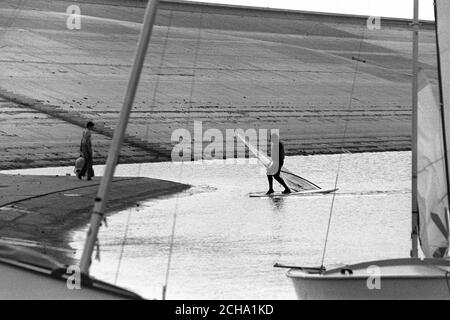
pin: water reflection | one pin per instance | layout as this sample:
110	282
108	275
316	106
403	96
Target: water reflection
277	203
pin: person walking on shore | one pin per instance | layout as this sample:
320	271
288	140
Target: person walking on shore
86	151
274	170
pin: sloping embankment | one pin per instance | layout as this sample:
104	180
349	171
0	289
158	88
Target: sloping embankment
229	67
44	208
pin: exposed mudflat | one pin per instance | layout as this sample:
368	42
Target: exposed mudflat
43	209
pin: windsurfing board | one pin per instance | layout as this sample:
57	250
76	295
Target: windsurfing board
298	193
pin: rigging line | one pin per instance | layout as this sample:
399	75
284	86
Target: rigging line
158	75
122	247
196	53
340	156
161	63
152	105
172	238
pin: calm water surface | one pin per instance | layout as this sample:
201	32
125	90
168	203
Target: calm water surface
225	243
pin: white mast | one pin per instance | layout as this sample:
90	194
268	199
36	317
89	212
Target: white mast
415	87
113	156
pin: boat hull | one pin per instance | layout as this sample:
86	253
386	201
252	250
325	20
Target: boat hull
26	282
408	279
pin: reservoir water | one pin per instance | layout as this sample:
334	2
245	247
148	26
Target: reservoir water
225	243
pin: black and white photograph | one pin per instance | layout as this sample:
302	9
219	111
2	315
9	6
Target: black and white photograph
189	151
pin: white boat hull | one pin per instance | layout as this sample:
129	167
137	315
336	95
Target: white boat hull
408	279
28	275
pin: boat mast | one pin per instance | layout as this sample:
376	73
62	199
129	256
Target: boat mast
415	87
113	155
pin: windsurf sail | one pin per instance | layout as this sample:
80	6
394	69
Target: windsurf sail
295	182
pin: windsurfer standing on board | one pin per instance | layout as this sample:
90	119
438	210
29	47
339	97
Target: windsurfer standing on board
274	170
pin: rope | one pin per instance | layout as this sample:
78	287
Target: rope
196	53
153	100
191	93
340	155
172	238
122	248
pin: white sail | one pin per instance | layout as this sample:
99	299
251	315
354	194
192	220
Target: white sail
432	185
443	38
295	182
443	34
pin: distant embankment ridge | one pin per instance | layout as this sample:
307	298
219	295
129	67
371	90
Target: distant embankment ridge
205	7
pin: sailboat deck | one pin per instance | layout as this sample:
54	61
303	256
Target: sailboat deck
396	268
